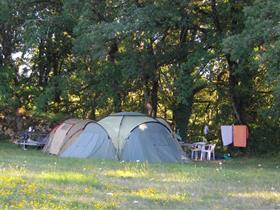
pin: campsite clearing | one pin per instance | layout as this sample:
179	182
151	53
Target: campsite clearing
32	179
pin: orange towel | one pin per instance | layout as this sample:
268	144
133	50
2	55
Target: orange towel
240	135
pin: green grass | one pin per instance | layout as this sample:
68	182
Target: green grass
33	180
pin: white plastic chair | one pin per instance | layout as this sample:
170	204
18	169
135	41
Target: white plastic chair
209	151
196	148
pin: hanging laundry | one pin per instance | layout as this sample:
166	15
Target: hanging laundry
206	130
240	135
227	134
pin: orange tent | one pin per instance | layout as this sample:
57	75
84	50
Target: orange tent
240	135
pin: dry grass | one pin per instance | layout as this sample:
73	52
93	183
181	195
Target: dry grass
33	180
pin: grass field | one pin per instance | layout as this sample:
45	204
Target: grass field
33	180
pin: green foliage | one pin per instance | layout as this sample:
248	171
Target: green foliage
259	43
193	62
7	87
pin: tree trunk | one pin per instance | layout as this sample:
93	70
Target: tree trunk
92	114
154	98
57	91
235	99
154	80
233	81
182	111
146	104
181	114
117	97
7	45
117	102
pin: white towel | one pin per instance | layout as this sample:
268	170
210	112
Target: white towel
227	134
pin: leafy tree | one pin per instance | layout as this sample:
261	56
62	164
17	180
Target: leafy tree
48	38
259	42
191	61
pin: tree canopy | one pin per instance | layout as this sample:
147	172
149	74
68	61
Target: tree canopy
193	62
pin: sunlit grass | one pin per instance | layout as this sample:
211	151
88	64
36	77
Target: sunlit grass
140	170
66	177
264	195
126	173
154	194
33	180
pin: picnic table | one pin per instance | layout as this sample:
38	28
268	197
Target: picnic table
185	146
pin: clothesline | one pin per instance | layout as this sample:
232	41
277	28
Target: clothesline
236	134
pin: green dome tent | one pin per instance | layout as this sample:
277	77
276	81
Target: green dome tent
58	134
93	142
139	137
128	136
82	139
